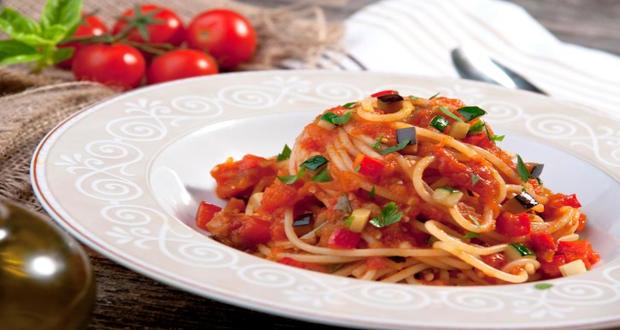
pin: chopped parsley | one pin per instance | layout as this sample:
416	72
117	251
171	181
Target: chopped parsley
470	235
440	123
314	162
348	220
322	176
335	119
471	112
477	127
543	286
497	138
349	105
475	178
285	154
377	144
449	113
290	179
390	214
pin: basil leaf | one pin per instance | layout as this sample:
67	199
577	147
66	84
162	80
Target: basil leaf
470	235
497	138
474	179
13	51
322	176
471	112
62	54
55	33
314	162
477	127
543	286
67	13
335	119
440	123
14	23
448	113
390	214
524	174
285	154
349	105
290	179
401	145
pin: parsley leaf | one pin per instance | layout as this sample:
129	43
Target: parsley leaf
377	144
390	214
357	169
322	176
335	119
401	145
285	154
524	174
475	178
543	286
449	113
348	220
314	162
472	112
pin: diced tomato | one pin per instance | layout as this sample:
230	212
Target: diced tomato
370	166
557	201
583	219
253	231
544	245
277	231
495	260
376	262
513	225
479	139
567	252
205	213
292	262
385	92
278	195
236	179
342	238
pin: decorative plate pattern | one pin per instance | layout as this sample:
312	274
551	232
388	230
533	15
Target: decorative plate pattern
91	173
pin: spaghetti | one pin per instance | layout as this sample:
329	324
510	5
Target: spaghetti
402	190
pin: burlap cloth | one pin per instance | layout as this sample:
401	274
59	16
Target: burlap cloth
31	105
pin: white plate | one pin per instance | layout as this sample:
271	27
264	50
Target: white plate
125	177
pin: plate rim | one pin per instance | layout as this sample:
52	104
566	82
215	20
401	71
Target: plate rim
249	302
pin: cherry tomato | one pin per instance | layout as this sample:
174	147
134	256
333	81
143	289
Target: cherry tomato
179	64
92	26
116	65
225	34
169	28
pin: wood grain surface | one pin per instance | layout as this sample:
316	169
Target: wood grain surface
127	300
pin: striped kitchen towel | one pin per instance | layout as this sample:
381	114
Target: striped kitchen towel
416	36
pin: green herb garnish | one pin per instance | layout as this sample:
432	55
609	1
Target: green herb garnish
449	113
475	178
543	286
524	174
401	145
440	123
357	169
497	138
522	249
314	162
434	96
477	127
349	105
471	112
470	235
285	154
322	176
390	214
372	193
290	179
348	220
377	144
335	119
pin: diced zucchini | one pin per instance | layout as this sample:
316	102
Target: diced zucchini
459	130
573	268
447	196
359	218
516	251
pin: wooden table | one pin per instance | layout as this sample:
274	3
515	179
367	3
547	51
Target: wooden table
129	300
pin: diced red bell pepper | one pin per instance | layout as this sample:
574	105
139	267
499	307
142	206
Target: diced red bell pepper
385	92
557	201
253	231
544	245
583	219
342	238
370	166
568	251
292	262
205	213
513	225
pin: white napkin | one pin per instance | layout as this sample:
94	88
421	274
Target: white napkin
416	36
